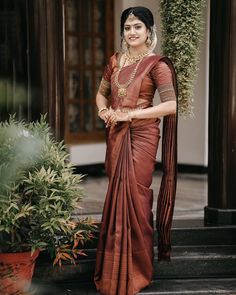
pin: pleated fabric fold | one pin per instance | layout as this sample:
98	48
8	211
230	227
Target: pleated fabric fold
167	193
166	198
124	262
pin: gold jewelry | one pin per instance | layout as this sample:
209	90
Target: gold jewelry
133	59
127	109
112	119
131	16
148	41
122	88
102	110
124	45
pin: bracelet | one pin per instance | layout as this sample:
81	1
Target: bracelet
102	109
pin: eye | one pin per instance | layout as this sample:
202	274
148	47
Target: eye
138	27
127	29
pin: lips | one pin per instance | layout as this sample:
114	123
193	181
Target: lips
133	38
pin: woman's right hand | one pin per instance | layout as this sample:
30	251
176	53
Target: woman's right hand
110	117
104	115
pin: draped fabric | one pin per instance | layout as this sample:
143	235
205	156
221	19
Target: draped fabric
125	249
124	261
166	198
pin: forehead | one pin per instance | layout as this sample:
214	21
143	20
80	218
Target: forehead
133	21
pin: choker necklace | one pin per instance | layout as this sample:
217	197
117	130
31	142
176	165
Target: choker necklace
122	88
134	59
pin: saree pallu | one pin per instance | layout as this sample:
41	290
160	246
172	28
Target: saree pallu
124	262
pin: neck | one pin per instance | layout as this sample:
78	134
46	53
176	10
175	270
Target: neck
134	51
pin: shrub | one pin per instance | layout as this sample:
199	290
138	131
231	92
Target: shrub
38	193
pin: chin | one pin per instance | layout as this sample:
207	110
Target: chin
135	45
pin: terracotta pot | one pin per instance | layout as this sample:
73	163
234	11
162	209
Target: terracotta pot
16	271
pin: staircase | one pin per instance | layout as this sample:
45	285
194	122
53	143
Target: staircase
203	262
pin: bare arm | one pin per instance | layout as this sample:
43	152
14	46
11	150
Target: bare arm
162	109
101	101
102	104
104	91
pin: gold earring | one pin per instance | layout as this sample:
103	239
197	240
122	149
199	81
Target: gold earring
124	45
148	41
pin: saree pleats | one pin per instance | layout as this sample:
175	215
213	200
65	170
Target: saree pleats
167	193
166	198
124	263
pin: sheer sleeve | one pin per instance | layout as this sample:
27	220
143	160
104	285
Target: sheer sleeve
105	84
162	77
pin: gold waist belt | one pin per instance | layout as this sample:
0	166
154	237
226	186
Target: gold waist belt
138	107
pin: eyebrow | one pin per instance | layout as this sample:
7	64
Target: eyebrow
133	24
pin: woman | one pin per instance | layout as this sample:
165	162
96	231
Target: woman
124	262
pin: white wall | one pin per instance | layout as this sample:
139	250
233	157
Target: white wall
86	154
192	133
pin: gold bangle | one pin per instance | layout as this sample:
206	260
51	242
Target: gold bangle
102	110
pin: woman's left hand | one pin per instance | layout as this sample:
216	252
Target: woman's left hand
121	116
117	116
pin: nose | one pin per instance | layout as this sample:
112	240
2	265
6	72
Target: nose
132	30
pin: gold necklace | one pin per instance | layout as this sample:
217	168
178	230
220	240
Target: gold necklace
133	59
122	88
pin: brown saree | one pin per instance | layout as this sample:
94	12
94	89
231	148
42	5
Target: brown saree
124	262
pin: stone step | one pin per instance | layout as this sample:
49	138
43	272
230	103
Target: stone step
158	287
187	262
195	262
190	287
219	235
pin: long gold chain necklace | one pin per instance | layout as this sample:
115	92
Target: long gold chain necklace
122	88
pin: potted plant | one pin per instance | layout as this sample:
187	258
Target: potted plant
38	193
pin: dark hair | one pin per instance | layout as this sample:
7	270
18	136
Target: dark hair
142	13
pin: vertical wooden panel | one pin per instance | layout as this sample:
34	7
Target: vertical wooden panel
15	96
46	50
232	109
222	111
